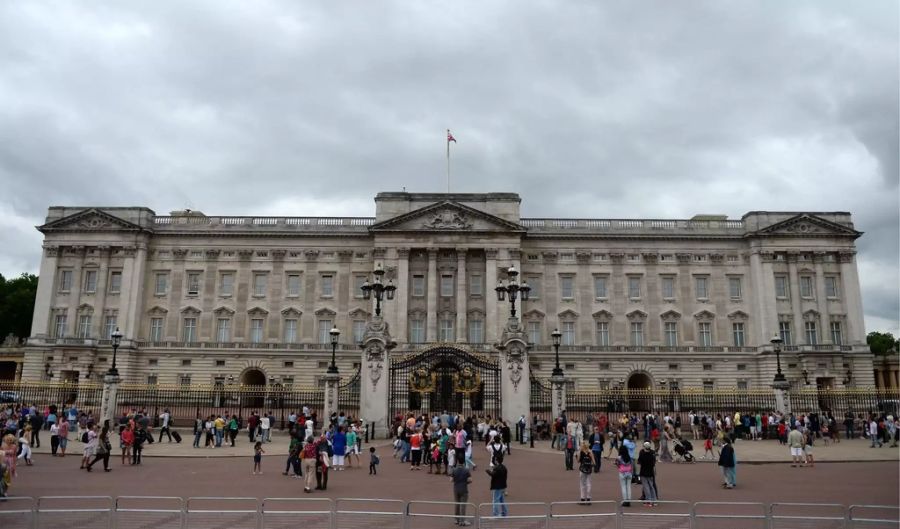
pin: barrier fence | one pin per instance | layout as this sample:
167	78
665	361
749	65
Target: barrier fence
132	512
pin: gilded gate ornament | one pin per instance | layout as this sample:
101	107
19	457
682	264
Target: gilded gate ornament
467	381
421	381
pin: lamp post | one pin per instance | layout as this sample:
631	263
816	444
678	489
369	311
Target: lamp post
512	290
380	290
780	379
335	333
557	371
116	341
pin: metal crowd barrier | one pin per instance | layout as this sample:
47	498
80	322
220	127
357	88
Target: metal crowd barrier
163	512
873	517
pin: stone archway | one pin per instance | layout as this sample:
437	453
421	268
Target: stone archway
253	377
253	388
640	385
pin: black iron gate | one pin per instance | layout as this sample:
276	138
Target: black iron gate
348	396
445	378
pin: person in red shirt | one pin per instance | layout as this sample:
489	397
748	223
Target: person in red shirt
415	450
126	441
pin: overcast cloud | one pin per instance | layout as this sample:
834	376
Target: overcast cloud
587	109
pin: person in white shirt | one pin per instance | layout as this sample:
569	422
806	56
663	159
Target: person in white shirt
265	425
164	418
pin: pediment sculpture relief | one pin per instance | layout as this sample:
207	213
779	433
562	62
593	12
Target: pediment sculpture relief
448	220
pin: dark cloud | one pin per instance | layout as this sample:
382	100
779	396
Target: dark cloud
586	109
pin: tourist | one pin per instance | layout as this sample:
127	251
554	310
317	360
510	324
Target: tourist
198	431
585	469
625	467
8	454
219	425
415	448
353	447
596	443
126	441
795	442
498	475
873	432
91	436
233	427
728	462
102	449
265	425
461	478
252	423
257	457
54	439
647	461
309	454
140	437
373	461
613	443
164	419
708	447
209	428
665	455
808	438
36	421
339	447
322	463
468	460
293	459
63	434
495	449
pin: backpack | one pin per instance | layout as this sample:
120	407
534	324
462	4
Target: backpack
84	437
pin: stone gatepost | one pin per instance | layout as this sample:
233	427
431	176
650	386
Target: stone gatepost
332	382
373	383
558	397
109	398
515	381
782	398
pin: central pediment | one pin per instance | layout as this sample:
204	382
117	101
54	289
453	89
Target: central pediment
447	216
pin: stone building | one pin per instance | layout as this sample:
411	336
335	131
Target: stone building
639	303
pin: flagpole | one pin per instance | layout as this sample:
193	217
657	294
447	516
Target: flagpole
448	160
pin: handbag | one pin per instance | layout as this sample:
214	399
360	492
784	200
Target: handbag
635	479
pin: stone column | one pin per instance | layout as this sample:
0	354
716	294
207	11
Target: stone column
332	381
514	372
797	328
402	296
374	382
852	301
130	301
824	323
43	301
558	397
461	297
490	297
108	399
431	318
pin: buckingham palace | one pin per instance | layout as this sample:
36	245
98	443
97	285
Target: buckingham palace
639	303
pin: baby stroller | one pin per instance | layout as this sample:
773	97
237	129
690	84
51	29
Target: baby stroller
683	449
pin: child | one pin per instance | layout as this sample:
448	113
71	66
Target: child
708	448
26	448
451	455
257	457
435	458
373	461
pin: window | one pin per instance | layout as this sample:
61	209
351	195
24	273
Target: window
742	367
226	284
707	367
600	287
293	285
193	283
184	380
704	333
59	330
709	385
535	283
837	337
260	284
290	331
90	281
476	285
359	329
534	332
287	364
737	333
325	331
567	287
65	280
115	282
701	287
812	334
327	286
671	333
256	330
603	333
418	286
153	362
109	326
734	288
476	331
634	287
806	286
416	331
673	367
358	282
190	329
637	333
220	363
742	385
668	287
156	329
161	284
223	330
568	333
784	330
781	287
84	326
152	379
445	330
446	286
832	290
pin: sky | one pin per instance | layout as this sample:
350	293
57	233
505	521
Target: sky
614	109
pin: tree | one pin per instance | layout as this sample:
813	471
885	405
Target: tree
882	342
17	305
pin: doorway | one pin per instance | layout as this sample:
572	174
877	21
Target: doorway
639	395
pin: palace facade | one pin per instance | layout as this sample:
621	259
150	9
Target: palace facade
640	303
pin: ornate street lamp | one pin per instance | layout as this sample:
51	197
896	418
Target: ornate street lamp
380	290
512	290
335	333
557	371
116	340
776	345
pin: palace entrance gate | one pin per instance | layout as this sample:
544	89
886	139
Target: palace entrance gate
445	378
